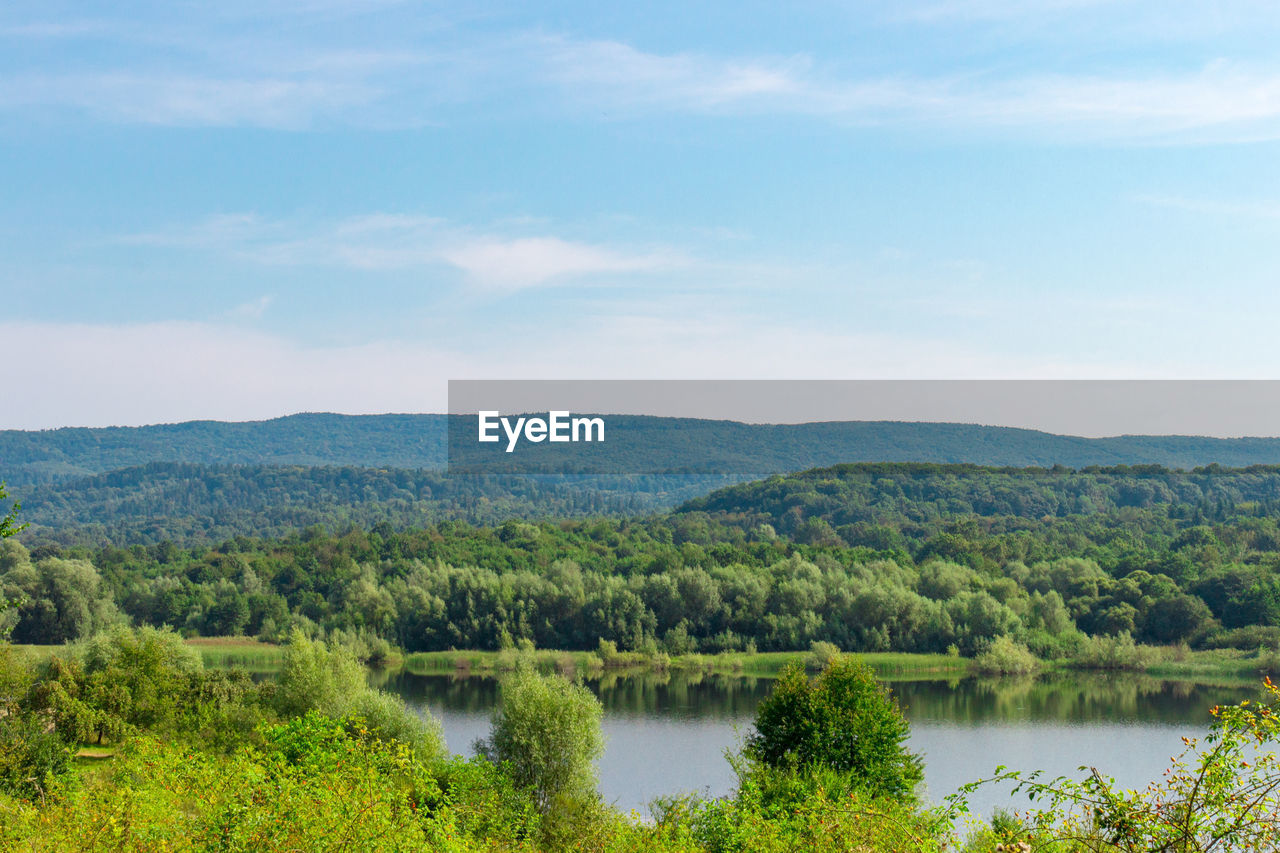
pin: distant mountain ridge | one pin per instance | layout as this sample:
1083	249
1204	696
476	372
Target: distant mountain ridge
420	441
395	441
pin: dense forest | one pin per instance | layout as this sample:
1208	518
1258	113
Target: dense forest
996	563
189	503
873	557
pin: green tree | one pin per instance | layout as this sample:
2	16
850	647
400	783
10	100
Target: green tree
546	731
61	600
8	526
844	721
9	523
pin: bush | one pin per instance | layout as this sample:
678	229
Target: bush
1249	637
817	815
123	681
821	654
546	732
334	683
843	720
1065	646
32	758
1117	652
317	678
1006	656
388	718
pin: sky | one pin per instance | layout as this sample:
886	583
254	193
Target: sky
240	210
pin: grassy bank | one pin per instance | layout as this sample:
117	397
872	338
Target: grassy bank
244	652
1171	663
217	652
886	664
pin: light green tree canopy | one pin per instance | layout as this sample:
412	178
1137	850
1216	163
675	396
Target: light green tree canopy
546	731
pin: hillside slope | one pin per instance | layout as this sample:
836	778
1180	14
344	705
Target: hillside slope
652	445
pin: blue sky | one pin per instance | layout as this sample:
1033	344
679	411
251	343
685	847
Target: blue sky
244	209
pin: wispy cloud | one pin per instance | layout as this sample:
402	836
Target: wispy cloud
986	10
253	309
1223	98
531	261
496	262
178	100
191	78
1264	209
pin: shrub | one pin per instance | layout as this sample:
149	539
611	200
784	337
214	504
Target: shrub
1248	637
821	654
32	758
1117	652
546	732
1006	656
315	677
388	718
843	720
333	682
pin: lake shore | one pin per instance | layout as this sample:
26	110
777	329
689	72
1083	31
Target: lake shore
1170	663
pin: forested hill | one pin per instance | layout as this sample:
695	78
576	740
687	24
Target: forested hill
398	441
185	502
851	500
420	441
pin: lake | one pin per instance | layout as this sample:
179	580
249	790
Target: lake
668	733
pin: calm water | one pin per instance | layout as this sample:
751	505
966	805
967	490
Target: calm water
669	734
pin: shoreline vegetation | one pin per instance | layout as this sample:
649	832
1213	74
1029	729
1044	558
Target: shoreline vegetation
1167	663
229	696
130	742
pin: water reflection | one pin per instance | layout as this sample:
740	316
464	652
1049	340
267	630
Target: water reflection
668	732
1109	698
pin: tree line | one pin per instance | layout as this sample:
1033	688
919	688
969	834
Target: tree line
870	558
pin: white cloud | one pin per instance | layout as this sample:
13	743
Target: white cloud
948	10
193	78
673	80
1228	99
1246	209
391	242
533	261
253	309
191	100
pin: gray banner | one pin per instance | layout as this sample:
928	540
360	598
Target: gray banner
746	427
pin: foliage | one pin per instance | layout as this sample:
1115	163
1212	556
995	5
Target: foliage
546	732
914	558
1006	656
843	720
142	680
201	503
33	759
60	600
9	524
821	655
1114	653
333	682
313	786
810	817
1222	794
